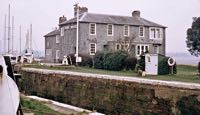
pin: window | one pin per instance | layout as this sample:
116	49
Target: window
62	31
92	29
141	31
57	39
142	49
57	54
155	33
48	44
126	30
110	30
92	48
48	54
118	46
122	46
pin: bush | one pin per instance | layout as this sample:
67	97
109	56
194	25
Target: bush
114	61
141	63
73	59
130	63
164	68
110	61
86	60
98	60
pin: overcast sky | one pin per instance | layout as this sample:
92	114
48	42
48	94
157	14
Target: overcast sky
43	14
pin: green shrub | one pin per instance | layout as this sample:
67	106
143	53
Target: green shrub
130	63
114	61
164	68
73	59
110	61
86	60
141	63
98	60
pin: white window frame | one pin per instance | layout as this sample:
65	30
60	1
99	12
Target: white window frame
157	34
128	29
109	28
143	28
62	29
140	49
94	29
57	39
57	54
90	48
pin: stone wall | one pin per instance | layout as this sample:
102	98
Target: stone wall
110	96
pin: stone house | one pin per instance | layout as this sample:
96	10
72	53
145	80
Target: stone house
99	32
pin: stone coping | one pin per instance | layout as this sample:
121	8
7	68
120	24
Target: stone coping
176	84
77	109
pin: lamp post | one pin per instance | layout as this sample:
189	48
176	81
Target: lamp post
77	32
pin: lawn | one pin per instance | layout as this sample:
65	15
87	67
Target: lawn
36	107
185	73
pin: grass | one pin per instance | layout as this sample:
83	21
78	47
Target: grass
185	73
36	107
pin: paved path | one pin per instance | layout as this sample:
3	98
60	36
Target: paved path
176	84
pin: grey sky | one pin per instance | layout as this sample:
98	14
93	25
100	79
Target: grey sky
43	14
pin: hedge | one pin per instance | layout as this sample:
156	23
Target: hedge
130	63
164	68
99	60
110	60
86	60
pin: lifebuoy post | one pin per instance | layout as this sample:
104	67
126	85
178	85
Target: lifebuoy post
171	63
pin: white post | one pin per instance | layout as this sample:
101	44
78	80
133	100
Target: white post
77	33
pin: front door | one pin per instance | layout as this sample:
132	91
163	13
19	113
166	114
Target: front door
151	64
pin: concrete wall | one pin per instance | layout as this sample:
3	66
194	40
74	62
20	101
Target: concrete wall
112	95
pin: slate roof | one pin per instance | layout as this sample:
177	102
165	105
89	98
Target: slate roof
113	19
53	33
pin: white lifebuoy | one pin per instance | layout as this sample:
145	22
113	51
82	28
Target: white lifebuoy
171	61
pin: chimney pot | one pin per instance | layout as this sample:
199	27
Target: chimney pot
136	13
62	19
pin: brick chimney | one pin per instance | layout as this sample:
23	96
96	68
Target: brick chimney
62	19
136	13
81	10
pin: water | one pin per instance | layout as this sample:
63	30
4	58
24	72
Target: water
185	58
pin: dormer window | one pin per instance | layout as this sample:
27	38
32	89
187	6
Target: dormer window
141	31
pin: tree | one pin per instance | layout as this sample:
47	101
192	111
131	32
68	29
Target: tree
126	43
193	37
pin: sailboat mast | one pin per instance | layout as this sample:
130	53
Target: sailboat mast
31	38
5	35
9	29
12	33
20	40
